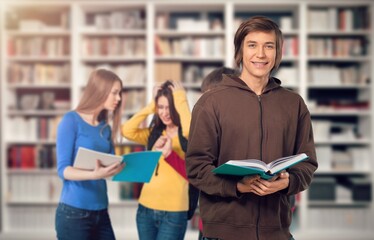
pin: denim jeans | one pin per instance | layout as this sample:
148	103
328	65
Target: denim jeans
79	224
160	225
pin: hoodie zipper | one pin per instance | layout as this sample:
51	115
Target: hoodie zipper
261	137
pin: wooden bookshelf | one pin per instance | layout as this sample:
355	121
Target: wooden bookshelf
139	40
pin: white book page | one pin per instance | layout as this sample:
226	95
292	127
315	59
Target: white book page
283	163
254	163
86	158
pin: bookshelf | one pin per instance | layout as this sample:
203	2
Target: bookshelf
339	51
49	47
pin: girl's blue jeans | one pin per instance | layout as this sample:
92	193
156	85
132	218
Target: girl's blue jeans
79	224
160	225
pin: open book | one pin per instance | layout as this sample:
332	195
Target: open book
254	166
139	165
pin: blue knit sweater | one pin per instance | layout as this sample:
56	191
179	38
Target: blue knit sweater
73	132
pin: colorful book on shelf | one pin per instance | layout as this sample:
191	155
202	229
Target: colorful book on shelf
139	165
254	166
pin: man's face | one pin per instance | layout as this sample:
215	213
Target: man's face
259	52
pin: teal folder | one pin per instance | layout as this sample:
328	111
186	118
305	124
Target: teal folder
139	166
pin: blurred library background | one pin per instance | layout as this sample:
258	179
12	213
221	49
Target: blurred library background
49	47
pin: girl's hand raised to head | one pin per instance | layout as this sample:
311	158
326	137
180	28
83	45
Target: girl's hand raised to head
155	90
177	86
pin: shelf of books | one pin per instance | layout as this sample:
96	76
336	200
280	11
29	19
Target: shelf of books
36	80
339	94
189	43
50	47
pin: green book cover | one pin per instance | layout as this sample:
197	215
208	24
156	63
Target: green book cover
254	166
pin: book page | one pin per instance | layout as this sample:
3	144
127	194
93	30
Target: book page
86	159
286	162
253	163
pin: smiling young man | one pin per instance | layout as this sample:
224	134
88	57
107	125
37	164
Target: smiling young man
250	116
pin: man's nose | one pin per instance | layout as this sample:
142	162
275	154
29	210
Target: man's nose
260	52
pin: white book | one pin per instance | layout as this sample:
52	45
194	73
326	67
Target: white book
86	159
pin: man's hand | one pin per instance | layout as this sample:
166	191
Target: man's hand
245	185
262	187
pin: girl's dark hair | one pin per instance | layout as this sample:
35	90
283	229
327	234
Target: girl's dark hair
167	92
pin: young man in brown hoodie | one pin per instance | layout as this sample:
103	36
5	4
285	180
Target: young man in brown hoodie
250	116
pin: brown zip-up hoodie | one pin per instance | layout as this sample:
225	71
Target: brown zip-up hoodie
232	122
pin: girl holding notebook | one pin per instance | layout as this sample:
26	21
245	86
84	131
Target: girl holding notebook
83	209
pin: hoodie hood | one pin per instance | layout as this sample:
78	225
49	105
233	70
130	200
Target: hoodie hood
236	81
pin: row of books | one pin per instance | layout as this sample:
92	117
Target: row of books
194	73
32	157
186	73
194	22
285	21
23	21
38	101
344	19
325	129
130	74
326	105
349	159
38	73
113	46
196	47
290	47
31	128
41	99
338	75
116	19
336	47
345	189
39	46
133	100
34	187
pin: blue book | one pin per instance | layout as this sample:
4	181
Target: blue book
139	165
254	166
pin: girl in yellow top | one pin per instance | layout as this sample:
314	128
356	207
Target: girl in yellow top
163	202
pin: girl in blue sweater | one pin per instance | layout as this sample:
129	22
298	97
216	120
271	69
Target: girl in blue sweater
83	209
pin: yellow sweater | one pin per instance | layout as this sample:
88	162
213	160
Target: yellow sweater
168	191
